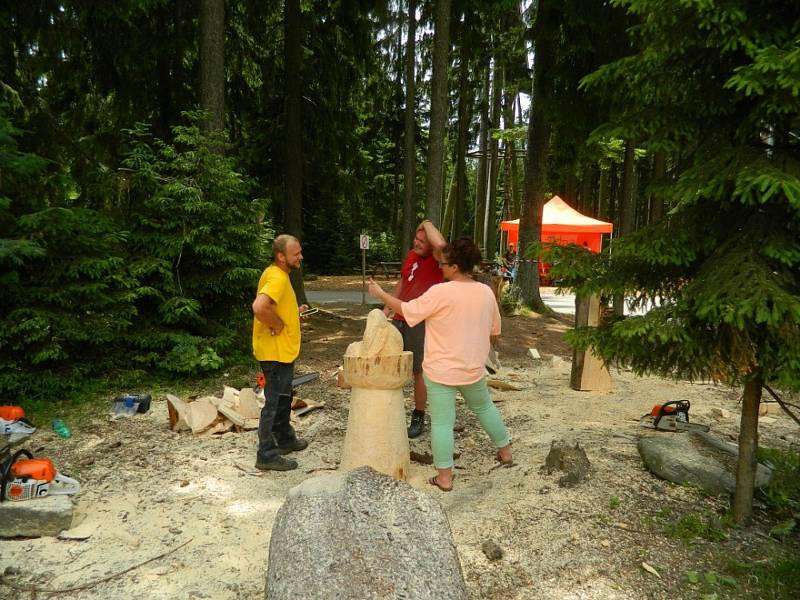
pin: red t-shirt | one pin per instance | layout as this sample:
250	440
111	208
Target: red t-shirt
418	274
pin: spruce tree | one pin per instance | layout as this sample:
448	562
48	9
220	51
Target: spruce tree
720	84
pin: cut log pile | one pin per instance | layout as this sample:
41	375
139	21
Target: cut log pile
236	410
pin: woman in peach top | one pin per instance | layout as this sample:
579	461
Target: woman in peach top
460	315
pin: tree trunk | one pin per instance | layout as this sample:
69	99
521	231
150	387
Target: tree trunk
483	146
657	199
546	31
212	62
293	166
410	161
570	190
586	202
163	64
464	118
510	192
490	223
602	195
627	209
748	449
441	51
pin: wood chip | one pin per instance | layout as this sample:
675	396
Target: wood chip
650	570
502	385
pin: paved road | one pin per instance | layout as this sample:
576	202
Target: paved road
561	304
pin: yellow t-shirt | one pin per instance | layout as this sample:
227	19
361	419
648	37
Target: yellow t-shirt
284	347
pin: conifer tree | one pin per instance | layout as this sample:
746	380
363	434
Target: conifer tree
722	84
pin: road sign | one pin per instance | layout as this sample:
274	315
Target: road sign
363	241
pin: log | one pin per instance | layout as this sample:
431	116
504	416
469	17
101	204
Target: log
178	411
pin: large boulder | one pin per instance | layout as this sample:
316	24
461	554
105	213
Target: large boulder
696	459
360	535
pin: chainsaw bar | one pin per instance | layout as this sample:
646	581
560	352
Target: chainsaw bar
670	423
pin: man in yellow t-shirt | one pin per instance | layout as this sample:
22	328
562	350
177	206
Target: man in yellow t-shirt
276	345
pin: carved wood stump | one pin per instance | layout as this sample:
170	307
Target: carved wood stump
376	426
588	372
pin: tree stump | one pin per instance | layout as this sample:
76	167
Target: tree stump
588	372
376	369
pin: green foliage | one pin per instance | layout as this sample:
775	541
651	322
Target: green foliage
783	492
777	578
160	284
713	81
188	357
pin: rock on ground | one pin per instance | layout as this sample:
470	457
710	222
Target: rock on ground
360	535
673	456
38	517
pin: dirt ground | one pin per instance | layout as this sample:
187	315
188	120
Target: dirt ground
197	504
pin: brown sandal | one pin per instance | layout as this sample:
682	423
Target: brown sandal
435	481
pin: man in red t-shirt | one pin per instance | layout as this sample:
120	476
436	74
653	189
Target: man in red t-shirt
420	271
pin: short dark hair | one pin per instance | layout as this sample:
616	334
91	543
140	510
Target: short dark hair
463	253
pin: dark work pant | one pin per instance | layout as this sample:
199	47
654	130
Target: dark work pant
273	426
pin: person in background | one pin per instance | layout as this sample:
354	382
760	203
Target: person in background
509	263
419	272
276	345
460	316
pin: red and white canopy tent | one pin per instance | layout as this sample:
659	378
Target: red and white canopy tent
562	224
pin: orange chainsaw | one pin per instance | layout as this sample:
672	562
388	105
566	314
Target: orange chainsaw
671	416
14	423
23	477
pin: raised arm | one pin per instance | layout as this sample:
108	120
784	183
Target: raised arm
435	238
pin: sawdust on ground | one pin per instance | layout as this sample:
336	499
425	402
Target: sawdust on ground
147	490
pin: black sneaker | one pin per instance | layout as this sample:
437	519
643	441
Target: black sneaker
279	463
417	424
293	446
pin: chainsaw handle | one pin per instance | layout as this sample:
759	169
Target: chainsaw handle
5	469
678	405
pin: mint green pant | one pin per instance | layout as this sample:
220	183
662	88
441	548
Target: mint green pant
442	408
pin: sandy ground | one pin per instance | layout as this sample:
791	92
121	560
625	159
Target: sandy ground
149	492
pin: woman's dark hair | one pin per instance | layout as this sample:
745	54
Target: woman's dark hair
463	253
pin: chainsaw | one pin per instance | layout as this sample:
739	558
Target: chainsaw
13	422
23	477
671	416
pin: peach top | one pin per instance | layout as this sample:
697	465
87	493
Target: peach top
459	318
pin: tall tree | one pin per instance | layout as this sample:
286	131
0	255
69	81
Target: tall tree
464	120
439	87
725	261
212	62
483	149
546	31
627	209
293	183
410	126
490	221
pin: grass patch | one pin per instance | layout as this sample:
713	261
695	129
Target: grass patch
696	525
777	580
